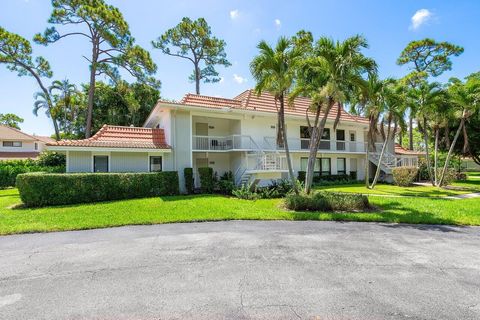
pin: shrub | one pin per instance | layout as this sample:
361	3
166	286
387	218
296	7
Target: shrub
327	201
51	159
189	182
207	180
353	175
245	192
40	189
11	168
404	176
302	175
462	176
226	184
450	176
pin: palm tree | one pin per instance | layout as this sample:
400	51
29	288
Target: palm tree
370	102
44	101
426	95
273	69
392	111
329	76
64	101
465	97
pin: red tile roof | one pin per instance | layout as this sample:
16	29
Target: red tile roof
401	150
249	100
18	155
120	137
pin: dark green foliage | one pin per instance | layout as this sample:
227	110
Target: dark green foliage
10	120
225	184
353	175
207	180
404	176
189	183
277	189
38	189
301	176
51	159
193	40
245	192
11	168
327	201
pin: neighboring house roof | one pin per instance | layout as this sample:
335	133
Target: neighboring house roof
44	139
9	133
249	100
18	155
120	137
401	150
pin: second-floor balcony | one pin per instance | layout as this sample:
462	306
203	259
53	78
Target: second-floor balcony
296	144
249	143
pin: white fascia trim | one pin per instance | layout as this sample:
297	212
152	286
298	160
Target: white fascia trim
100	149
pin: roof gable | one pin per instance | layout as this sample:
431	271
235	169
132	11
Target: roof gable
120	137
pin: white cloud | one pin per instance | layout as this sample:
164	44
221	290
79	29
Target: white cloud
234	14
222	80
420	17
239	79
278	23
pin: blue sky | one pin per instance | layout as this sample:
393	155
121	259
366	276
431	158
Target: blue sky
388	26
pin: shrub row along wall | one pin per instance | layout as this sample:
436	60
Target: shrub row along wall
39	189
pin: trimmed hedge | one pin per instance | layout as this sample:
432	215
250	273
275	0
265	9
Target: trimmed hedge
40	189
327	201
207	180
11	168
404	176
189	183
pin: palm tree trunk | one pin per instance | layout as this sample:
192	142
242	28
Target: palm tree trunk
315	140
367	166
435	156
450	151
384	147
427	153
293	180
91	89
410	132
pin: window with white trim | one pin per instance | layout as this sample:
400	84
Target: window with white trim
17	144
100	163
155	163
341	166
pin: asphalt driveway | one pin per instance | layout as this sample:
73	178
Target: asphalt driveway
243	270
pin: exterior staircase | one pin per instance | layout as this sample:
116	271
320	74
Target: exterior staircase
389	161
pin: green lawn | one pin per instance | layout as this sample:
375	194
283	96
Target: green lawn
214	207
386	189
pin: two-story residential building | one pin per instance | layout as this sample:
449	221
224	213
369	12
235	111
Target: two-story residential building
15	144
236	135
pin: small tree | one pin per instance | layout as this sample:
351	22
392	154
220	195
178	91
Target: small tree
112	45
10	120
466	98
274	71
16	54
430	58
193	41
329	76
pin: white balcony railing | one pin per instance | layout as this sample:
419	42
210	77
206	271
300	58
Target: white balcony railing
296	144
266	162
219	143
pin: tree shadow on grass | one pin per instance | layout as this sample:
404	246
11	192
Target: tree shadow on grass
393	212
